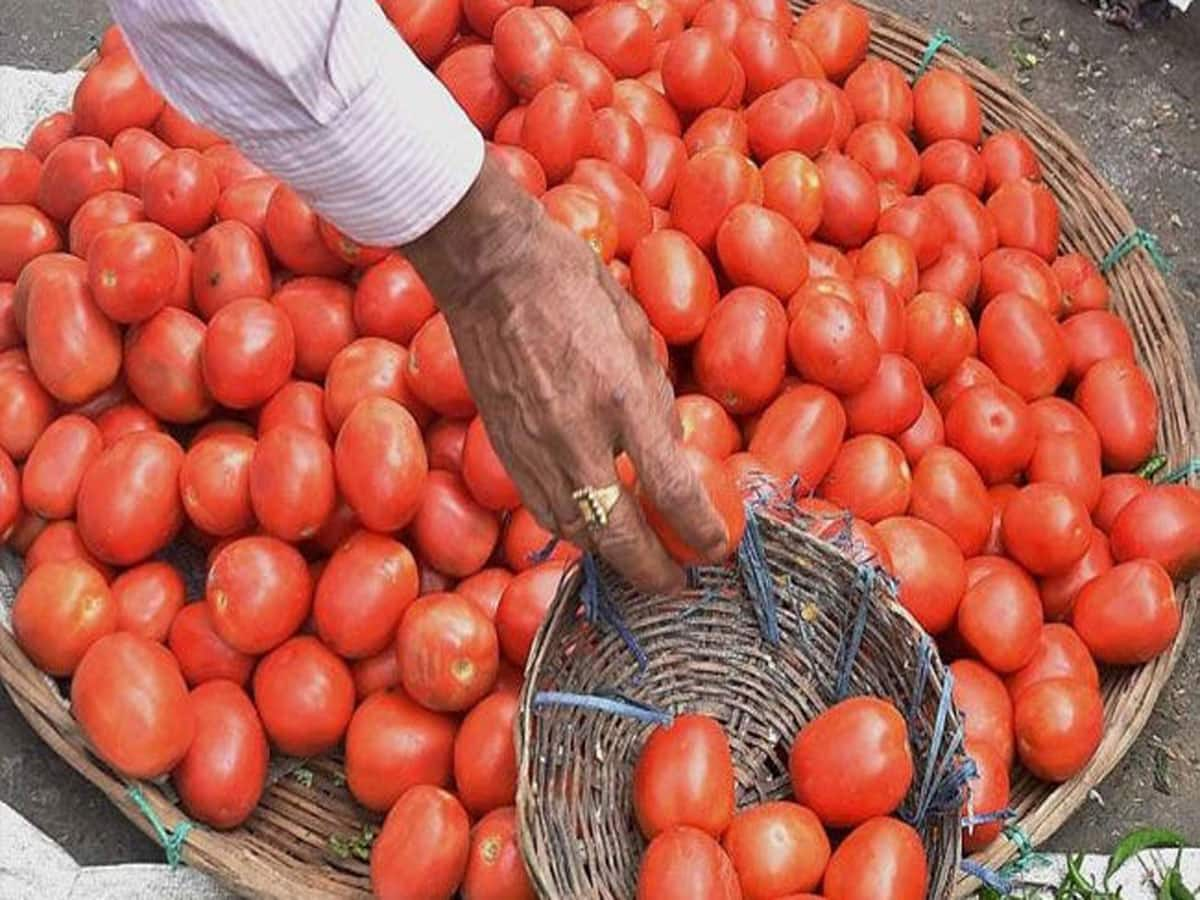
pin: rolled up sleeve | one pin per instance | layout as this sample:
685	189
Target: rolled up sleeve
325	95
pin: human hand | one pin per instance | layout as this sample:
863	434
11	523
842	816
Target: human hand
562	368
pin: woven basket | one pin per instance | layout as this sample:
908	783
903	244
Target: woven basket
285	848
839	633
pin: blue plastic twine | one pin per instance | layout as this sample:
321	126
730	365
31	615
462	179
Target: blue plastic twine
171	839
599	608
851	640
752	565
613	704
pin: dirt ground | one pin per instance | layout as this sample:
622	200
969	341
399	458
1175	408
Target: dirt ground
1133	100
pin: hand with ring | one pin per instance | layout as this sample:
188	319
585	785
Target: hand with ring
561	364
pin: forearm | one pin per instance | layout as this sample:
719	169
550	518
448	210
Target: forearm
323	94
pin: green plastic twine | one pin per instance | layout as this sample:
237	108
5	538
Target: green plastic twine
940	39
1139	238
1183	473
171	838
1151	467
1027	857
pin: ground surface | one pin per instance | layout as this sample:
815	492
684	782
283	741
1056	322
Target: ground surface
1133	101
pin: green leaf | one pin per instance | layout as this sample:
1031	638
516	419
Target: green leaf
1135	843
1179	890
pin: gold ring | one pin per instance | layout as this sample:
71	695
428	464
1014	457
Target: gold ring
597	503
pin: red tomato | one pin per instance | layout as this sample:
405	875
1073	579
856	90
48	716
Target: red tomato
684	776
49	483
850	201
711	184
10	338
939	336
20	171
484	473
180	192
76	169
881	858
1046	529
1129	614
1161	524
581	210
722	17
60	611
992	427
58	542
587	74
1054	415
852	762
800	433
369	582
884	312
375	674
445	441
725	497
665	158
1092	336
1008	156
890	402
26	410
394	744
1023	345
125	685
485	588
741	357
649	107
929	567
391	301
214	484
229	264
1059	591
1082	284
495	870
525	542
966	218
381	463
321	314
920	222
767	56
434	373
985	707
485	756
1058	724
792	186
100	213
292	486
796	116
717	127
1070	460
524	605
948	492
1027	216
369	367
829	342
1012	270
878	91
528	52
557	129
305	695
259	593
294	236
298	403
952	162
427	26
956	273
423	848
1060	654
987	792
945	106
449	652
628	204
49	132
74	350
249	349
1116	491
1118	398
470	75
870	478
163	366
674	283
248	202
147	598
886	153
518	162
891	259
697	70
617	138
202	655
232	167
179	131
684	863
838	32
1000	619
450	530
112	96
761	248
10	497
777	848
620	35
927	433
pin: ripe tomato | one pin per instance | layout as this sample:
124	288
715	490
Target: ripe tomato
76	169
321	314
449	652
1070	460
147	599
717	127
850	200
1058	724
132	270
484	473
711	184
649	107
49	483
445	441
620	35
724	496
945	106
391	300
59	542
955	162
838	32
777	848
99	213
929	567
1117	397
427	26
485	589
1061	653
485	756
889	402
920	222
1082	284
891	259
259	593
516	161
423	848
683	863
26	410
450	530
60	611
881	858
20	171
988	792
829	342
231	166
706	427
292	489
528	52
767	56
10	496
495	870
298	403
202	655
305	696
1129	614
557	129
214	484
1116	491
1092	336
526	542
112	96
665	158
393	744
179	131
164	367
1059	591
885	151
884	312
630	209
800	433
741	357
1009	270
247	202
939	336
674	283
369	367
966	218
1054	415
1161	524
128	505
581	210
684	777
524	605
878	91
985	708
49	132
991	426
792	186
927	433
249	349
1027	217
1008	156
229	264
761	248
1000	619
948	492
697	70
434	373
1023	345
137	150
180	192
956	273
293	233
375	674
870	478
368	583
1046	529
618	138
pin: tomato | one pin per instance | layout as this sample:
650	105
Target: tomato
761	248
581	210
484	473
1061	653
369	367
628	204
423	849
449	652
292	489
796	116
557	129
1059	591
988	792
49	132
665	158
231	166
883	310
741	357
434	373
1046	529
838	32
1009	156
305	695
112	96
878	91
882	858
886	153
76	169
1082	284
1116	491
927	433
485	589
368	583
890	259
890	402
706	426
956	273
648	107
1000	620
1054	415
321	314
60	611
1117	397
109	210
20	171
945	106
717	127
10	338
495	870
450	530
248	353
375	674
391	300
528	52
870	478
985	707
180	192
952	162
126	685
427	26
674	283
445	441
299	403
470	75
59	542
26	410
767	56
966	218
1161	525
683	863
381	463
620	35
829	342
393	744
684	776
991	425
948	492
1012	270
850	201
939	336
10	497
526	542
777	848
711	184
920	222
1058	724
1027	217
248	202
800	433
1129	614
516	161
49	483
929	567
147	598
485	757
1070	460
214	484
163	366
723	18
697	70
201	653
792	186
1023	345
229	264
724	496
1092	336
259	593
179	131
618	138
294	236
524	605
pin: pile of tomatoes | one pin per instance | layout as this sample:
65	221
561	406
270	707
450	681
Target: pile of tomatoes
854	291
851	768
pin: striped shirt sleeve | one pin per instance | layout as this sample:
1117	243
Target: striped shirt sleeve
324	94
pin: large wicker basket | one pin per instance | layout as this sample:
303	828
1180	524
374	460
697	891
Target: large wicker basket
294	845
